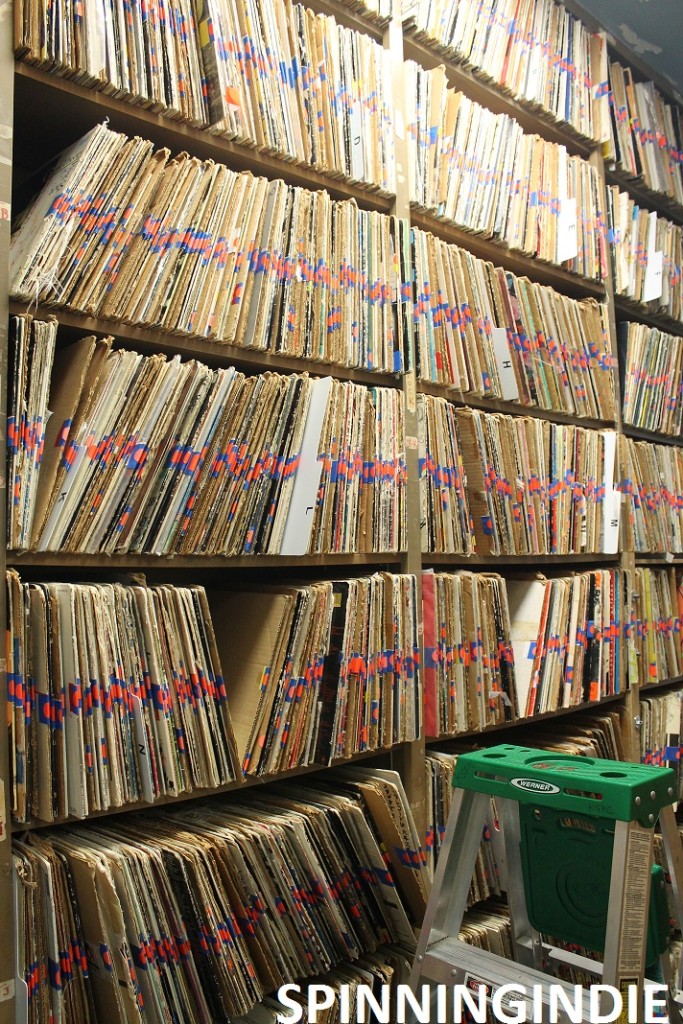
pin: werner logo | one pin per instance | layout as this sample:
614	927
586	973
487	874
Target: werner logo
535	785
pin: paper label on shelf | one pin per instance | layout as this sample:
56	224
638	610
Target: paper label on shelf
5	213
6	990
506	372
567	231
652	285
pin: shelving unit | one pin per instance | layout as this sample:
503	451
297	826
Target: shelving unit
61	112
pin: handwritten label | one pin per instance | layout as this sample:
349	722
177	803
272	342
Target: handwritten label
506	372
652	285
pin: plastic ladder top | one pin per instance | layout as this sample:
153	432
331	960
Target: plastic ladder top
591	786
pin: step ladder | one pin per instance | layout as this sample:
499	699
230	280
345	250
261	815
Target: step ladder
577	838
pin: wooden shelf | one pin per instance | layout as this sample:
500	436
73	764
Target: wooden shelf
652	435
501	255
539	562
628	309
520	723
149	341
350	17
476	84
62	111
661	559
661	684
173	563
238	786
644	196
462	400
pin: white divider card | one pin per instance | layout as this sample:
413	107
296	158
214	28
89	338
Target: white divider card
525	601
506	372
567	231
356	133
567	227
297	531
612	499
654	267
533	73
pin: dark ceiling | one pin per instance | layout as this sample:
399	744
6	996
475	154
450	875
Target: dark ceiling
653	29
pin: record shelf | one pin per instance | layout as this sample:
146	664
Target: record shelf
43	113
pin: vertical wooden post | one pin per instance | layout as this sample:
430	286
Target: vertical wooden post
408	760
7	957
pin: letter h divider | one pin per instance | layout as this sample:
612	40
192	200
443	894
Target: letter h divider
578	837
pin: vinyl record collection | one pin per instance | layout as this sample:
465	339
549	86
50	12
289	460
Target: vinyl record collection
469	674
280	79
196	914
330	670
352	983
654	626
536	487
591	734
520	189
300	491
145	453
652	484
652	387
661	731
647	133
538	51
440	766
647	255
188	246
445	522
33	343
483	331
116	696
566	638
497	650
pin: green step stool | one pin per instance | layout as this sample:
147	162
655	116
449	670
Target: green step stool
578	842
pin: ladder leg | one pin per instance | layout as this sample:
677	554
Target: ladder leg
526	942
674	859
629	902
672	1006
453	876
673	851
